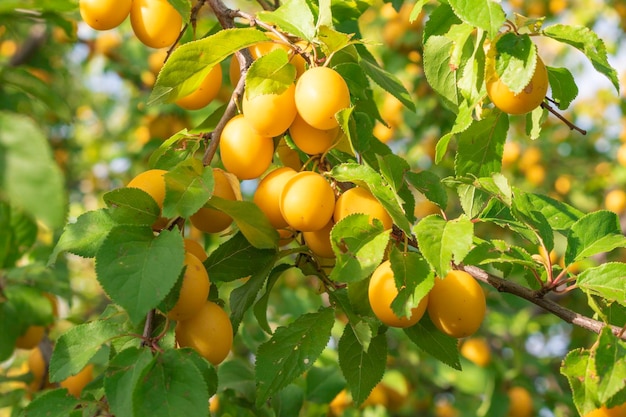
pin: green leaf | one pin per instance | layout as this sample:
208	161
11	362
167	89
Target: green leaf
559	215
362	369
28	173
270	74
463	121
498	251
291	351
189	185
190	63
429	184
563	86
441	77
128	205
293	16
84	237
430	340
359	247
367	177
173	386
594	233
414	279
288	401
524	210
183	7
323	384
261	306
387	82
237	375
485	14
607	281
33	87
516	60
236	258
75	348
579	368
588	42
250	219
244	296
55	403
20	233
442	242
137	269
610	364
480	147
125	371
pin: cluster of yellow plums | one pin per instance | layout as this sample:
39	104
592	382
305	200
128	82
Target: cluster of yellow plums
456	304
155	22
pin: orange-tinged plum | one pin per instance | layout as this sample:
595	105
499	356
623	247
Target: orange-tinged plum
152	182
104	14
456	304
476	350
310	140
527	100
617	411
196	249
31	337
245	152
319	241
155	22
320	93
206	91
209	332
520	402
267	195
210	220
193	291
360	200
270	114
381	293
307	201
38	368
76	383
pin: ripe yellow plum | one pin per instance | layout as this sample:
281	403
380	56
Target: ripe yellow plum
210	220
267	195
104	14
244	151
520	402
209	332
206	91
193	291
360	200
307	201
196	249
310	140
155	22
76	383
381	293
320	93
456	304
319	241
270	114
476	350
527	100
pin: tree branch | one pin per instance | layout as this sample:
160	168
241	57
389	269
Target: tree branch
537	298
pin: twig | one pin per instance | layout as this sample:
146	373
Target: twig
537	298
569	124
147	328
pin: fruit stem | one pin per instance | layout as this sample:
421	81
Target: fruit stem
569	124
147	328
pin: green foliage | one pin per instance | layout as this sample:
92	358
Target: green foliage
295	349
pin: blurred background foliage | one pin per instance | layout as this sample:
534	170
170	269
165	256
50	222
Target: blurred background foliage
87	91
